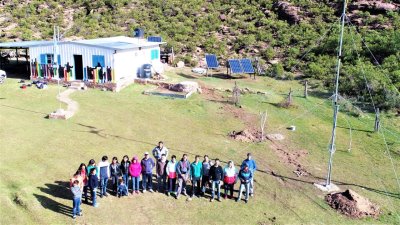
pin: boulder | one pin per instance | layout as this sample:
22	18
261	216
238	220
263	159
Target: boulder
374	6
185	86
288	12
180	64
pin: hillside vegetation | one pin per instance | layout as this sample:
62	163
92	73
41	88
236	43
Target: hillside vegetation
278	32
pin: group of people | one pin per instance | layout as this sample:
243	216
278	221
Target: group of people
172	176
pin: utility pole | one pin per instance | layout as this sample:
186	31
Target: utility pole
377	121
56	39
305	89
332	147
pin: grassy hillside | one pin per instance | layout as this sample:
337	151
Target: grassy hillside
275	31
39	155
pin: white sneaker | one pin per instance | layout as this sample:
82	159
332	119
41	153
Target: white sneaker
151	190
144	191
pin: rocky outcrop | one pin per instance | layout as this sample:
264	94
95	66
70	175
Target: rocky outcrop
374	7
288	12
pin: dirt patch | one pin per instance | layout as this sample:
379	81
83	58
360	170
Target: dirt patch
247	135
291	158
352	204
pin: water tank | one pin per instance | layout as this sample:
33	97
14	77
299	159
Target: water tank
138	33
146	71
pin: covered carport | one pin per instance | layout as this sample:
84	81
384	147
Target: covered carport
15	59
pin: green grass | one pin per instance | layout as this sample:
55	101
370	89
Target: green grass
39	155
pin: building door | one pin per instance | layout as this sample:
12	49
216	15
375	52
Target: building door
78	64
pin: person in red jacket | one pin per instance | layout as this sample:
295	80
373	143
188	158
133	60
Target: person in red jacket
135	168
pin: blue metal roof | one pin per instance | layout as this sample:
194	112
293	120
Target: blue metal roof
24	44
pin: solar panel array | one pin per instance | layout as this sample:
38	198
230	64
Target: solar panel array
241	66
212	61
154	39
247	66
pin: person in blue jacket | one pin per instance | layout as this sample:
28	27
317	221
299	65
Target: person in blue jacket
147	172
252	168
244	176
93	183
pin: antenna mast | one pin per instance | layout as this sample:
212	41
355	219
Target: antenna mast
332	147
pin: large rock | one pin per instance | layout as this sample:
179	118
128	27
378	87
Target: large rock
180	64
374	6
186	86
288	12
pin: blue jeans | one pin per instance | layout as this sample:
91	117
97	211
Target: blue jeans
93	193
135	183
125	177
213	185
76	206
147	178
247	187
103	185
172	184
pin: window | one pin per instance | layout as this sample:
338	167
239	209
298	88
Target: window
155	54
49	58
98	61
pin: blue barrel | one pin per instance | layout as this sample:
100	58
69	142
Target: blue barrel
138	33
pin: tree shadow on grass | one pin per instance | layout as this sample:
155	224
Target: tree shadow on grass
55	206
26	110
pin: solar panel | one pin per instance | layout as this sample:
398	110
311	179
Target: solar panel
154	39
235	66
247	66
212	61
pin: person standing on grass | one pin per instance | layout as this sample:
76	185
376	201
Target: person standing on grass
195	175
77	176
125	169
244	176
84	175
216	175
115	172
159	150
93	184
147	172
135	168
251	163
77	199
122	189
104	175
205	178
161	173
92	164
171	173
230	175
183	172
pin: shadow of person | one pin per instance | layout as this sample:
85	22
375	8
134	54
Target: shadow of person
55	206
60	189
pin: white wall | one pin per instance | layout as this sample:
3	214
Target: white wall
127	63
68	50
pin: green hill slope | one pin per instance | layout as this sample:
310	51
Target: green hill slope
275	31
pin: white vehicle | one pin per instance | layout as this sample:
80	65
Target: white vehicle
3	76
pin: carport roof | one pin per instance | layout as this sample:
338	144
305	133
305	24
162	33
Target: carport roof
24	44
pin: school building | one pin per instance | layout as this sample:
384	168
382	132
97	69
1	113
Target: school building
117	60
